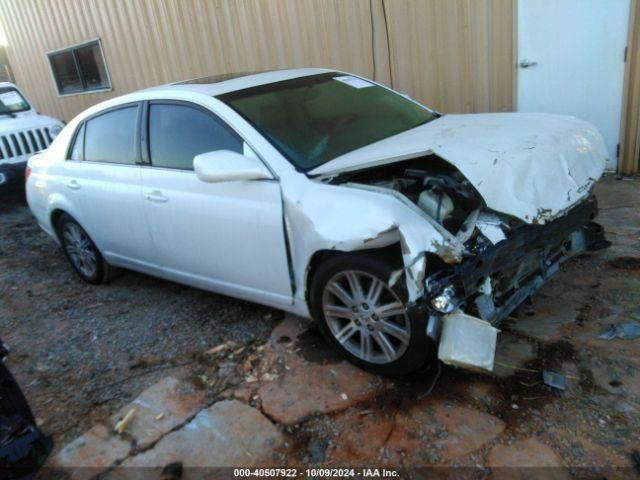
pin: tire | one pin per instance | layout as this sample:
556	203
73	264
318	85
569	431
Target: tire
411	348
81	253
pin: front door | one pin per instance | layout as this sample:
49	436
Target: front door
228	236
571	61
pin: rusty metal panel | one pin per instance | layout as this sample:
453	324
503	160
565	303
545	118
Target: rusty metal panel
456	55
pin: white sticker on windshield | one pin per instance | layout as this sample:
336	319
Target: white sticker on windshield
355	82
11	98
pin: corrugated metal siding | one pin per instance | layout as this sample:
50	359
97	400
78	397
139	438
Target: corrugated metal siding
629	161
456	55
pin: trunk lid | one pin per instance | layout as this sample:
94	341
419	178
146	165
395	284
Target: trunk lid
532	166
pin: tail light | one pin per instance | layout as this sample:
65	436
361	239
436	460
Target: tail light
27	172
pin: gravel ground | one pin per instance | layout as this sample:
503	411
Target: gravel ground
79	351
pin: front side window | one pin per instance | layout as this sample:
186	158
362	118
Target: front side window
12	101
80	69
177	133
317	118
111	137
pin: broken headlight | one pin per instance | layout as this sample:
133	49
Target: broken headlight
445	302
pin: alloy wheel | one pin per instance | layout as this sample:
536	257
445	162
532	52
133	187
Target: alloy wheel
366	317
80	250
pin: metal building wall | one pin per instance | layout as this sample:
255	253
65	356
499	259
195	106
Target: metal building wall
456	55
629	161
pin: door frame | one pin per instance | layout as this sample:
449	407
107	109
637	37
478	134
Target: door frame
628	161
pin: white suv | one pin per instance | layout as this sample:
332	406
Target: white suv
23	132
326	195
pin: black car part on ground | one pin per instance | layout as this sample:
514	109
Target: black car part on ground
519	265
23	447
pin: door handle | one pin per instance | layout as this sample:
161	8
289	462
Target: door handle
156	196
526	63
73	185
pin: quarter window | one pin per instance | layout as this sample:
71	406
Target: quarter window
177	133
110	137
77	150
80	69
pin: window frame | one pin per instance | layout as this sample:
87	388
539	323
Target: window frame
72	143
137	144
95	41
144	130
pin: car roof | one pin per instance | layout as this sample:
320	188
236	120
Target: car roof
230	82
208	86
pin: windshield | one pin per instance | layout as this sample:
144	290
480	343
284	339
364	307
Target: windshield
12	101
314	119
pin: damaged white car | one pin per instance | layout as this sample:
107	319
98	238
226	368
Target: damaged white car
403	232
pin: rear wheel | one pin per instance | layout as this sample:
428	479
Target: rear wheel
366	318
81	252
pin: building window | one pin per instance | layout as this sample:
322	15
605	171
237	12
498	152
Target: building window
80	68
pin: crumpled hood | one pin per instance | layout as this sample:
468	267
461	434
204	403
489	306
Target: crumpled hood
532	166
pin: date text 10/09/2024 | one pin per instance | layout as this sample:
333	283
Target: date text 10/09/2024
316	472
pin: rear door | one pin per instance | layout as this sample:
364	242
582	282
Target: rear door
228	236
103	180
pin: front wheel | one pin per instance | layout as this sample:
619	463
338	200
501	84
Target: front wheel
366	318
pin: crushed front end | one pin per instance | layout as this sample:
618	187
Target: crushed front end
498	277
500	259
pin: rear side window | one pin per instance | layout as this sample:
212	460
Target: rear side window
177	133
110	137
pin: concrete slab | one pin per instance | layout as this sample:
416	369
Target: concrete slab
311	389
160	409
468	429
360	437
229	433
515	461
436	432
308	379
91	453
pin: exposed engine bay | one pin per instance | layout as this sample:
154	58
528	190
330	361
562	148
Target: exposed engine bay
442	193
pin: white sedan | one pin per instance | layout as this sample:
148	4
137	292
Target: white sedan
327	195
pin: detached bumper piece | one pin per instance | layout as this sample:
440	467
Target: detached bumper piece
23	447
499	278
467	342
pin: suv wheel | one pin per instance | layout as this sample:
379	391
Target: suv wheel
365	318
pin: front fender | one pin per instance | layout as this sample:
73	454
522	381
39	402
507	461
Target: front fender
358	217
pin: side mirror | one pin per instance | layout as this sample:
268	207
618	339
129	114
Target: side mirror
227	166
